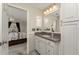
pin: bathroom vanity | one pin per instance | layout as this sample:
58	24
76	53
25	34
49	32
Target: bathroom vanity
47	43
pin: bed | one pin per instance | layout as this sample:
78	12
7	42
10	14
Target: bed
16	36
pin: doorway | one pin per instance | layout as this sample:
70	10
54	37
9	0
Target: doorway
17	30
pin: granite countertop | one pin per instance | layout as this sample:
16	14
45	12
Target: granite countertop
55	37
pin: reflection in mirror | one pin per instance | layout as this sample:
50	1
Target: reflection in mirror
51	20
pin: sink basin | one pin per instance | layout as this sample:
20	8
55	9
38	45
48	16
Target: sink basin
47	36
55	37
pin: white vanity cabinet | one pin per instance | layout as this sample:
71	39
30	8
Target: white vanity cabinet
49	50
36	43
54	47
31	42
45	47
40	45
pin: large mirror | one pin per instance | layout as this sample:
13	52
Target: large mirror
51	21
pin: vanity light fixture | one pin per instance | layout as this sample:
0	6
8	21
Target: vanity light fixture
51	9
55	7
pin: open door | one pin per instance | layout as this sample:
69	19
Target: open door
3	30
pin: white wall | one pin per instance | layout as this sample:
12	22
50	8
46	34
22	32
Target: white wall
0	25
0	22
23	25
3	29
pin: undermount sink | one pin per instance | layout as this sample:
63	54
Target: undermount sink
56	37
47	36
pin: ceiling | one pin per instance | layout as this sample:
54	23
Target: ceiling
43	6
35	5
20	14
16	13
39	5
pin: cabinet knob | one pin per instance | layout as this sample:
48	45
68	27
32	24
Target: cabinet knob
48	50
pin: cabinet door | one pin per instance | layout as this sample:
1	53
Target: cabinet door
42	46
49	50
55	47
70	38
31	42
68	11
37	43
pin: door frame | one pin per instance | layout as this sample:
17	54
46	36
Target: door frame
21	8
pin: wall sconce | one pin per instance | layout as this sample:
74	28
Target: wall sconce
12	19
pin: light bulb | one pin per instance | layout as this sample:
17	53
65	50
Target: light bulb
47	10
50	9
12	19
55	8
44	12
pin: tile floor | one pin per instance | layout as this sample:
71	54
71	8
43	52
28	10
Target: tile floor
34	53
19	49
